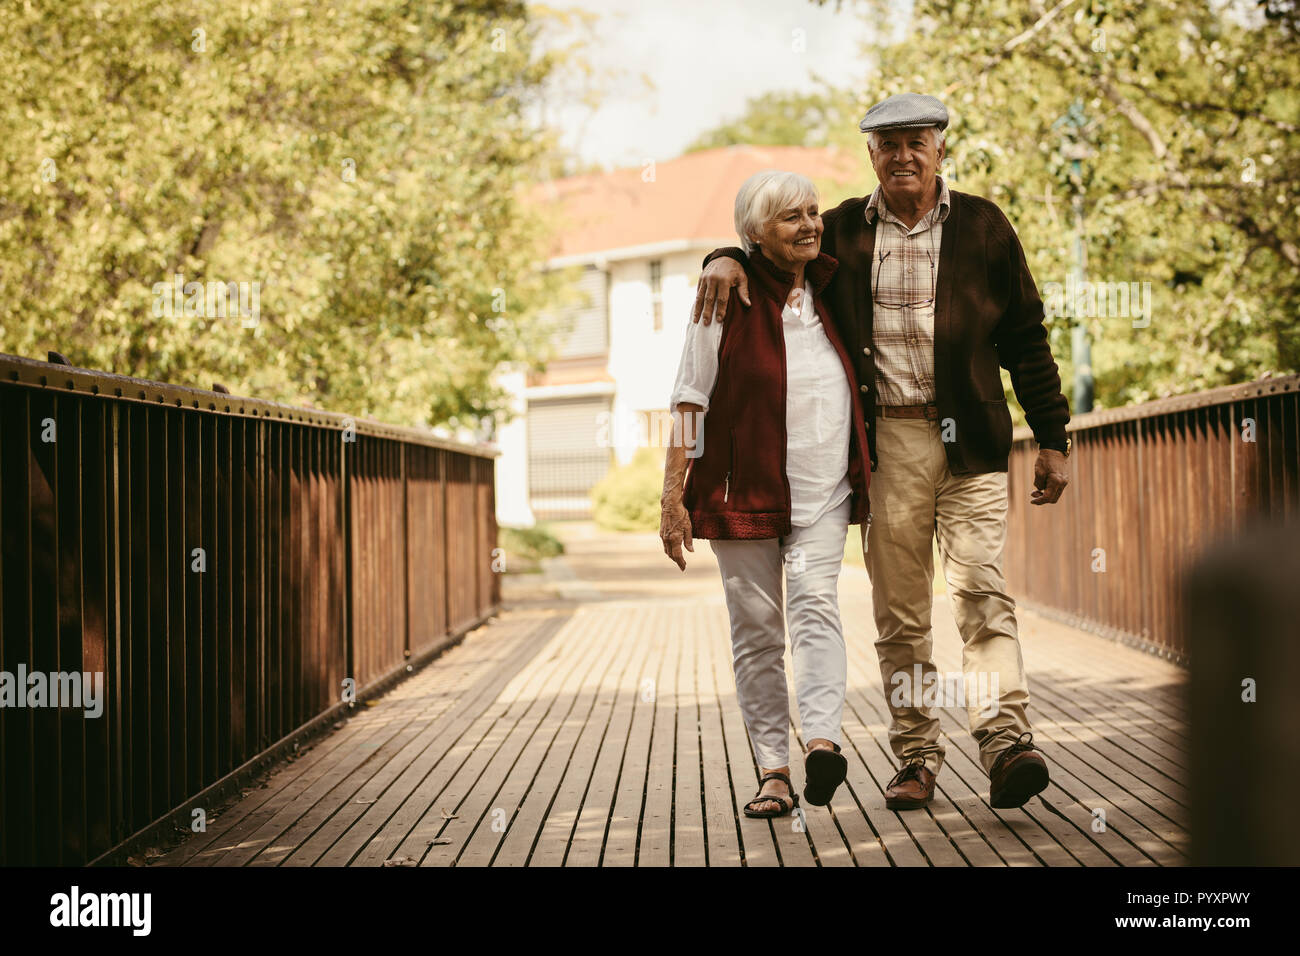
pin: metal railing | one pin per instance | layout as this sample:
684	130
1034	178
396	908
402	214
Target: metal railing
226	564
1151	486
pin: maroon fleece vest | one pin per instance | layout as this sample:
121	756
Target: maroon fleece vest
737	487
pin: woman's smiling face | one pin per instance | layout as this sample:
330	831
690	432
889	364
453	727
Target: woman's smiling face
793	235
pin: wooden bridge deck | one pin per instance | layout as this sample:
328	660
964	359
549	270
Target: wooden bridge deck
595	723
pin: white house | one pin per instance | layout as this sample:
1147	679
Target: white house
637	237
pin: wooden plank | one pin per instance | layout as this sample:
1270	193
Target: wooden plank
296	786
410	788
1111	738
1156	734
445	736
531	782
587	841
1140	680
724	846
314	835
459	790
625	815
654	846
552	843
525	828
690	842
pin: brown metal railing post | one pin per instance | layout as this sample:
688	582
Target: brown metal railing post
349	550
446	539
406	551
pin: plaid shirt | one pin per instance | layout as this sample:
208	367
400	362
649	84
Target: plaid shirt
904	277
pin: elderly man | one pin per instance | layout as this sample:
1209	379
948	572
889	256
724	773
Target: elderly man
932	294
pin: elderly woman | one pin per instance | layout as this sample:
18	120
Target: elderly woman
768	417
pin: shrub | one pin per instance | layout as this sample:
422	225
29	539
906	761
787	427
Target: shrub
525	547
627	499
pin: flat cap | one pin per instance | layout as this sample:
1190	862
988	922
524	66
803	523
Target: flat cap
905	111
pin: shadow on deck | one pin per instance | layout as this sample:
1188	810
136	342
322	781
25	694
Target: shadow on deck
595	723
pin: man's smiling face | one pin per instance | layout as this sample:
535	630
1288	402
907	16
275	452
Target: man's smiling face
906	162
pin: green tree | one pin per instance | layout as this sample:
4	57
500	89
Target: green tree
1189	175
780	118
363	161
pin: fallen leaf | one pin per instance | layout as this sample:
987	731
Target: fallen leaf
367	800
448	816
401	861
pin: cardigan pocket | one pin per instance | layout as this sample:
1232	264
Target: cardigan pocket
998	417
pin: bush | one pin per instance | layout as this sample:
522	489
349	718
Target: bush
525	547
627	499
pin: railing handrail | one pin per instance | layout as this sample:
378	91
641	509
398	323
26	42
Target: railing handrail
1223	395
70	378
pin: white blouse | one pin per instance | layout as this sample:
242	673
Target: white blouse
818	406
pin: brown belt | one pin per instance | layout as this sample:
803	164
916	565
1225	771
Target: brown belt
909	411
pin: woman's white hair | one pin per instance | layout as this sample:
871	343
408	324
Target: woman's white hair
765	194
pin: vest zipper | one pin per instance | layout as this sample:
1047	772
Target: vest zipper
726	487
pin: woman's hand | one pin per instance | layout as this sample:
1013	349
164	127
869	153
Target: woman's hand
675	529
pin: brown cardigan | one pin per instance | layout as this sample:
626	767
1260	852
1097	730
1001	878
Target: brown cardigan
737	488
987	313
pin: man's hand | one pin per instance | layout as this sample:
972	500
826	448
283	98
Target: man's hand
714	289
675	530
1050	478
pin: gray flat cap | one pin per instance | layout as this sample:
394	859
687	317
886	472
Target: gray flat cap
905	111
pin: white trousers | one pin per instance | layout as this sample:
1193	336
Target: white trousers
752	571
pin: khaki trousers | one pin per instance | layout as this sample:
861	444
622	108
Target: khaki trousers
914	498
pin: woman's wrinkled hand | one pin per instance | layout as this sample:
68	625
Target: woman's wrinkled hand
675	530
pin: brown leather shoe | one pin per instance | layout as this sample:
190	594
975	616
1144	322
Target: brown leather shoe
912	787
1017	774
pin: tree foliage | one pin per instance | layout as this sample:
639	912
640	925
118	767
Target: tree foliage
778	118
361	160
1184	119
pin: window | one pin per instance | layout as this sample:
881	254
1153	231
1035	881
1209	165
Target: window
657	294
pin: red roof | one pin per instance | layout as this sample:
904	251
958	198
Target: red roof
690	198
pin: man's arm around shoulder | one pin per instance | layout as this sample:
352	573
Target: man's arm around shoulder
713	292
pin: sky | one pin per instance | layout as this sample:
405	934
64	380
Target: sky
705	58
